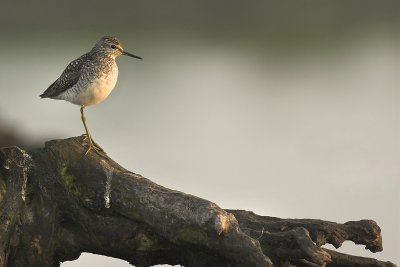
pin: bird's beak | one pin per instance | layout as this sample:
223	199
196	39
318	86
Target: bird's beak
131	55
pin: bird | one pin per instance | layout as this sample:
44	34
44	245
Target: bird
89	79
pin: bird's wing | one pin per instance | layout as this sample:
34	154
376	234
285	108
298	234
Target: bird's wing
68	78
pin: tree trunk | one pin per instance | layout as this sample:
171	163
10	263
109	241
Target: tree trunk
57	202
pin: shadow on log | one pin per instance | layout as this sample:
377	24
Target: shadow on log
56	203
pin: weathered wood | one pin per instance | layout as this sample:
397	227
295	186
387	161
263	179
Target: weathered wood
289	240
56	203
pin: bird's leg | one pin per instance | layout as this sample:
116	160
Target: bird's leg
91	143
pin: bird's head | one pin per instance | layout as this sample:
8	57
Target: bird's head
112	47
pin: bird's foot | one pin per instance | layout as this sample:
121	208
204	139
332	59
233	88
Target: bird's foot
87	140
95	148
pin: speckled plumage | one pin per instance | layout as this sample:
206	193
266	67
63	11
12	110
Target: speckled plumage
89	79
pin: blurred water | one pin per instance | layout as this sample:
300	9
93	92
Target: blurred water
295	136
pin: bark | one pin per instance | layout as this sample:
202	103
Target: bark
57	202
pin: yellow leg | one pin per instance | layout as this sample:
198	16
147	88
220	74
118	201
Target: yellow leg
91	143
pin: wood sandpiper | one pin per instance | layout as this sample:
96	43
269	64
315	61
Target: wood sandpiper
89	79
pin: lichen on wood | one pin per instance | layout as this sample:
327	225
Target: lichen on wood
70	181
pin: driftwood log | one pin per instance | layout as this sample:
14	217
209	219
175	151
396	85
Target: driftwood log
56	203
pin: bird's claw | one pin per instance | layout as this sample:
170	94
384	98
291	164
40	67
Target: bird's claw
92	144
95	148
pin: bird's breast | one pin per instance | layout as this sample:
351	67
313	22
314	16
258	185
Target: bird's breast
100	87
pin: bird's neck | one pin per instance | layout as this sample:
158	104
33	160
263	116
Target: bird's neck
102	56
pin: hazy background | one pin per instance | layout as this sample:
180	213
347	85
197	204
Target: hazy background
287	108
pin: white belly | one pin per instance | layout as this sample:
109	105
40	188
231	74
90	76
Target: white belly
98	90
93	92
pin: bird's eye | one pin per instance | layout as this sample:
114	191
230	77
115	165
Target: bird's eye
113	46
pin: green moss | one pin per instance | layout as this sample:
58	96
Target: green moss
144	243
70	181
3	188
191	235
